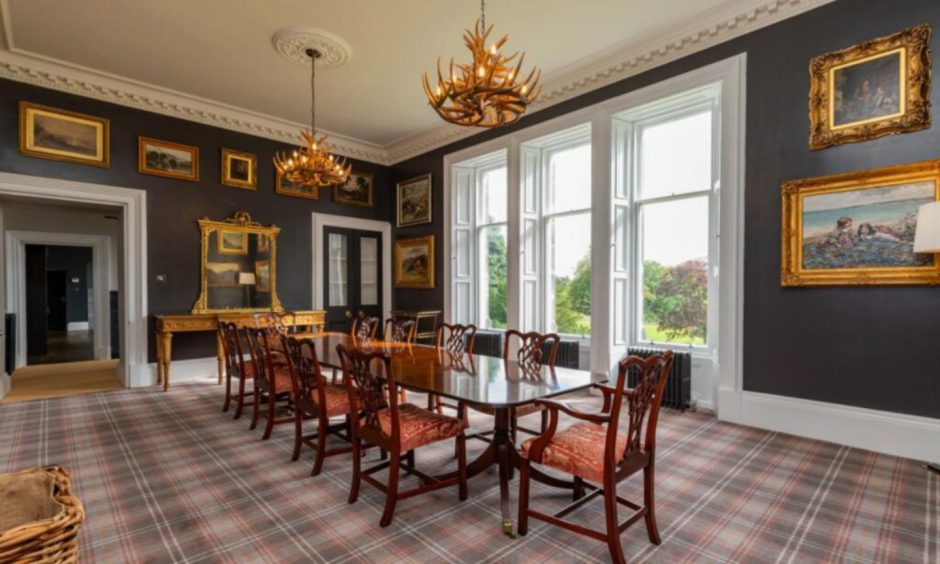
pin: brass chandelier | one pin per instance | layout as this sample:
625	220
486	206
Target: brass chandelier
313	164
486	92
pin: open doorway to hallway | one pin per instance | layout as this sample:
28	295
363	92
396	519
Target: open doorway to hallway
62	267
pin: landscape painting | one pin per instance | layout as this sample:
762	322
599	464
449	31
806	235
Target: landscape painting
232	243
414	262
858	228
163	158
222	274
357	190
51	133
414	201
295	189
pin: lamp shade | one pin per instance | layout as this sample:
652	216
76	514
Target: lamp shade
927	237
246	278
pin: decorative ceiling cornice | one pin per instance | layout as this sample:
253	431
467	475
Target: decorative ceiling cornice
65	77
624	62
576	79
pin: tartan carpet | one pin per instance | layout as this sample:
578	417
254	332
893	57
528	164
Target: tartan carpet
166	477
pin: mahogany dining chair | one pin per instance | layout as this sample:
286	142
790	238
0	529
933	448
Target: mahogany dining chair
272	378
595	450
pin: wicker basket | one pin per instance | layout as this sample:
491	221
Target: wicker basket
48	540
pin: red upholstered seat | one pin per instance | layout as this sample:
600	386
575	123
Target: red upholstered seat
418	426
578	450
282	377
337	400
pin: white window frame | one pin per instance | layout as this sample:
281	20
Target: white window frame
609	314
628	128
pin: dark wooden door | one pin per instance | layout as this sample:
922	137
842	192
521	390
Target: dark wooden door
56	296
352	276
36	314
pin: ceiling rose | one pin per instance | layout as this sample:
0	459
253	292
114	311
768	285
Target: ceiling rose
293	43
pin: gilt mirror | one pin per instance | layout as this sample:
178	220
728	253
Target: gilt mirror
238	271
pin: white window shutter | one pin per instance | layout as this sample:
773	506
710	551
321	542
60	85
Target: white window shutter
463	247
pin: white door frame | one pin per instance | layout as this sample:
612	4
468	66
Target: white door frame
16	242
133	276
321	220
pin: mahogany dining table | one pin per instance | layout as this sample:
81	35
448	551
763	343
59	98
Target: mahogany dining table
472	380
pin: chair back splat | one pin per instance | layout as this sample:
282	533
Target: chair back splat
456	338
366	392
365	327
400	330
530	355
643	403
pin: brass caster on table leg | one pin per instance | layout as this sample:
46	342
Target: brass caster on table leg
507	528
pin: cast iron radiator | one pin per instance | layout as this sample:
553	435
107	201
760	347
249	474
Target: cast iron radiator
678	393
488	343
568	356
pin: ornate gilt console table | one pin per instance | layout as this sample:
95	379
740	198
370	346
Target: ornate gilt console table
168	325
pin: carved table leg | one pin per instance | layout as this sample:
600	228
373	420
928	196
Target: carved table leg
167	358
220	354
158	337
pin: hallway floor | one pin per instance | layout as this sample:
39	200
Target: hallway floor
65	346
66	379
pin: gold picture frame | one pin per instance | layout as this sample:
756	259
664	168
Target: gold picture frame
414	204
239	169
224	243
165	158
858	228
356	191
876	88
263	276
61	135
288	188
414	262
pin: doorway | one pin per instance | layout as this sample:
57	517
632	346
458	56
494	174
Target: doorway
60	304
352	270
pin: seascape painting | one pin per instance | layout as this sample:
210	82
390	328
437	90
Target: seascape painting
868	90
869	228
61	135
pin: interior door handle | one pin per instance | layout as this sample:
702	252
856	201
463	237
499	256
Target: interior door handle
348	314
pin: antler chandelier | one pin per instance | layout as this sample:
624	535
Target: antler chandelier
313	164
486	92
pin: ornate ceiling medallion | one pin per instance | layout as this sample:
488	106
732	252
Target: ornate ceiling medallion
487	92
292	43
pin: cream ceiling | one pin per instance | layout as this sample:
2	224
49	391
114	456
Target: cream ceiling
219	52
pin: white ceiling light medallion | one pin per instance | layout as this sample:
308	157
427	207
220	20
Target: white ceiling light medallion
293	42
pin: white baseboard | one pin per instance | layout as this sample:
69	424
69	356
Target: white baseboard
5	384
185	370
77	326
899	434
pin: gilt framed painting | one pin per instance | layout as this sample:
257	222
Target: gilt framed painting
879	87
239	169
164	158
295	189
222	274
858	228
357	190
414	262
414	201
61	135
263	276
232	243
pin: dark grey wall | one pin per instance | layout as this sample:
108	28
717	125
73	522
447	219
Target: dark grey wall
76	262
173	206
870	347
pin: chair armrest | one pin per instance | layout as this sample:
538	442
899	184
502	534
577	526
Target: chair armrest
553	407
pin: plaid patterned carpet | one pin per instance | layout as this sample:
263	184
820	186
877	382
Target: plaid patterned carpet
169	478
